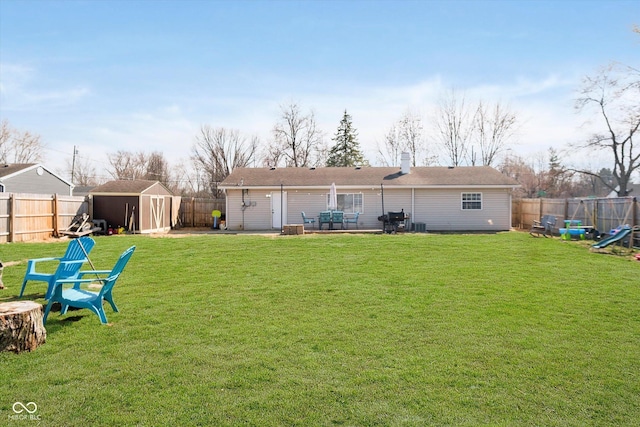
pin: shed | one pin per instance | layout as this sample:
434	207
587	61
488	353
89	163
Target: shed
32	178
139	206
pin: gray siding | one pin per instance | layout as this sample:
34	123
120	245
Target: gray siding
32	183
441	210
257	216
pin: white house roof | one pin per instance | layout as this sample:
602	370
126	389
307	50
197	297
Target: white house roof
419	177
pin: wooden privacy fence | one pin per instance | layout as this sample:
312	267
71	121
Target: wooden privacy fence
603	214
196	212
25	217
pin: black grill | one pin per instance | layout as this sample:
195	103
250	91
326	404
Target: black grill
393	221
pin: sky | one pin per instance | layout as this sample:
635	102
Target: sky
109	75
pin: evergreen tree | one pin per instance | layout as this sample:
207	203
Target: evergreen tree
346	151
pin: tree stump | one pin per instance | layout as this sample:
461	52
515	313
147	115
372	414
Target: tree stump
21	327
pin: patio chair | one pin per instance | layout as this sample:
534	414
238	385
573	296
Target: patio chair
324	218
353	220
544	226
337	217
306	220
68	265
83	298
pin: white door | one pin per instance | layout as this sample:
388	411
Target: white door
278	209
157	213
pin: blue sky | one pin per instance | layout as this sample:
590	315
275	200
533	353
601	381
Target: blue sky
105	75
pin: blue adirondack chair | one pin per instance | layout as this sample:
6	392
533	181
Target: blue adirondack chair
68	265
83	298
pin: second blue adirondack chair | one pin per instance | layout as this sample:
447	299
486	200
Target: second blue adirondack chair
83	298
68	265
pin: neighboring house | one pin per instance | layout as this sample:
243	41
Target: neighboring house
633	190
32	178
137	205
82	190
443	198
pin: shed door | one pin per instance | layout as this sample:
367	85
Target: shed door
157	212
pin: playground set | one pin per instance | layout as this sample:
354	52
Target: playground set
582	225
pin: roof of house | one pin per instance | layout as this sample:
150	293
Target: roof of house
368	176
633	190
136	186
11	169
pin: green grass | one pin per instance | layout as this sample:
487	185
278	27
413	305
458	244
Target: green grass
400	330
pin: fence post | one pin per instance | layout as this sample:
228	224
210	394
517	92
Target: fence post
634	212
56	219
193	211
12	217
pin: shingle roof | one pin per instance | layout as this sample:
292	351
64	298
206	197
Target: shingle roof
367	176
8	169
124	186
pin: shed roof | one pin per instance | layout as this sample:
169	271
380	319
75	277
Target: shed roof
368	176
137	186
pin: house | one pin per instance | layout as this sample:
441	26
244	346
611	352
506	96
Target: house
633	190
139	206
474	198
32	178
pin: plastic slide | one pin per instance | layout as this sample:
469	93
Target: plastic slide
624	232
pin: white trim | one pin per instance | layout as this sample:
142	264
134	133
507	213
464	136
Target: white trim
462	201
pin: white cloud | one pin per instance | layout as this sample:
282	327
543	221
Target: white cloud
545	108
21	90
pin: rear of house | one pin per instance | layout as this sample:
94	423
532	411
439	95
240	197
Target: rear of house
441	198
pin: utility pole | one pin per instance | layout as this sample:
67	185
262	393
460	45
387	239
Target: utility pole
73	163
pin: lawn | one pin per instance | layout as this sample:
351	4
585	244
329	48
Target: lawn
358	330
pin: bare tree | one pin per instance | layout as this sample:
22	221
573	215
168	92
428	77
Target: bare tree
217	152
407	134
494	126
125	165
613	94
83	172
411	134
19	146
297	141
5	137
389	152
453	126
157	168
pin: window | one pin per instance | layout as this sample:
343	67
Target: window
471	201
349	203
